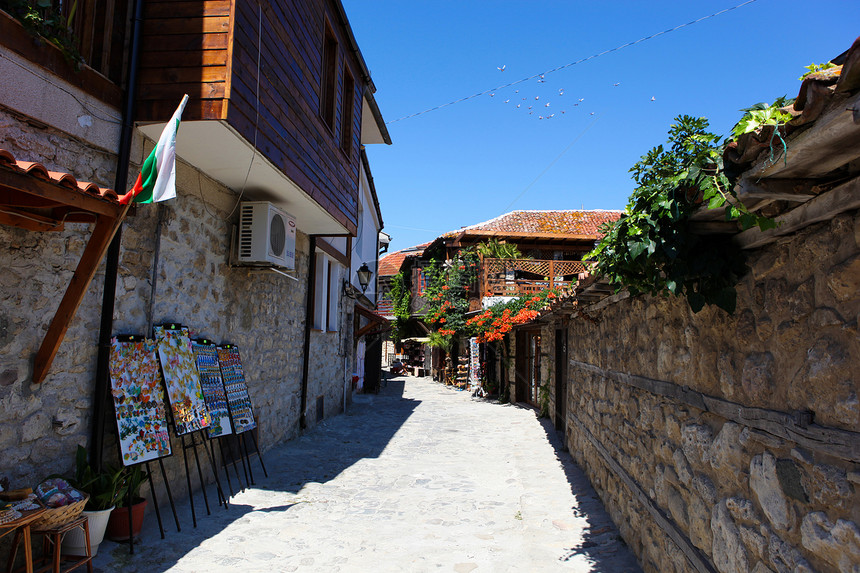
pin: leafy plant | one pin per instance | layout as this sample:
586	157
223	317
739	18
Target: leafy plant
44	18
440	340
761	114
813	68
492	248
135	476
651	247
104	487
400	300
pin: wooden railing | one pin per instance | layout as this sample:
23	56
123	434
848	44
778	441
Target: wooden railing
515	277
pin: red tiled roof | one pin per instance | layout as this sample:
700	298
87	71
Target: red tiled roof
39	171
390	264
571	222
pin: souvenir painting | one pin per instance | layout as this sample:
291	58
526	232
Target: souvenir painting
238	399
138	398
206	357
181	379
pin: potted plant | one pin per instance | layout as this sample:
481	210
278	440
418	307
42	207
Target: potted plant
117	529
104	488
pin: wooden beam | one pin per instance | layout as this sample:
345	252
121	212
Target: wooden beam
795	190
50	190
825	206
29	222
791	426
830	143
328	249
103	232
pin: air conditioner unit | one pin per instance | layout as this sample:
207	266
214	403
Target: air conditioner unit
267	235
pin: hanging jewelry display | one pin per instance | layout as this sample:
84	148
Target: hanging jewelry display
241	412
206	357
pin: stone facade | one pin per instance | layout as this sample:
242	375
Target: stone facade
260	311
729	443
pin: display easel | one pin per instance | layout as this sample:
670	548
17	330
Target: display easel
206	358
239	401
133	362
182	383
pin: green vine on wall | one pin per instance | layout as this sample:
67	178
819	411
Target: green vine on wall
651	247
400	301
43	18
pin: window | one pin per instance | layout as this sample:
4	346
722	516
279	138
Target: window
346	114
326	293
329	78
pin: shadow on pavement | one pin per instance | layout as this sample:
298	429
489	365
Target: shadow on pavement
600	539
318	456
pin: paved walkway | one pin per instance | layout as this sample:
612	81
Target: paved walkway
418	478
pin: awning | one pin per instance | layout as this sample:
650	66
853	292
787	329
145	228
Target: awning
421	339
33	198
374	321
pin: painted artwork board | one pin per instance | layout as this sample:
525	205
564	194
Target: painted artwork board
206	357
181	379
138	398
233	374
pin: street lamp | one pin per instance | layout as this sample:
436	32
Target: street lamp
364	275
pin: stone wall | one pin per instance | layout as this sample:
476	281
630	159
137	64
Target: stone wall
730	443
260	311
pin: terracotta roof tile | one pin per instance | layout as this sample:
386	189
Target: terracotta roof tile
67	180
817	93
570	222
390	264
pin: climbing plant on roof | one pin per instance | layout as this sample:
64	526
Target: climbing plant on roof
651	247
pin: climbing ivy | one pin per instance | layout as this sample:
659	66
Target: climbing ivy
651	247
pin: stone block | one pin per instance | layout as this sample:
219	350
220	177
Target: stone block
757	376
764	484
682	467
754	541
700	523
838	544
785	558
729	553
843	280
828	486
36	426
696	441
727	453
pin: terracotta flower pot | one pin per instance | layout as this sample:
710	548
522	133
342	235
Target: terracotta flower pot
117	528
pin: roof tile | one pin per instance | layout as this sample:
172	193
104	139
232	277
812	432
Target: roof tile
67	180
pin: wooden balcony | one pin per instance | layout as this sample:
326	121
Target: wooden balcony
517	277
263	116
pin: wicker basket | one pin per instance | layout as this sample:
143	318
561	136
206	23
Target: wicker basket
56	516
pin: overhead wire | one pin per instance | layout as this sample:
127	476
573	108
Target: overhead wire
553	162
565	66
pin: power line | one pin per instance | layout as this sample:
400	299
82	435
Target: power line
553	162
593	56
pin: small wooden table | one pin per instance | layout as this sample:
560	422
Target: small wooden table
22	525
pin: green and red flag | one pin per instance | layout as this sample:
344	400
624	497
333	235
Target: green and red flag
157	179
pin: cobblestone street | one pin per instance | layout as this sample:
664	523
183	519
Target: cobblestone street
418	478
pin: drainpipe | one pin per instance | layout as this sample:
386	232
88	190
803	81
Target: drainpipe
309	323
102	384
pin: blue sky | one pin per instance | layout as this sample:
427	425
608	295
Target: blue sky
480	158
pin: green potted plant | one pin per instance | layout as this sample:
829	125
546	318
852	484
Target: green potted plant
104	487
117	528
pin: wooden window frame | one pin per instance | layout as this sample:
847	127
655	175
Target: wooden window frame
328	78
347	115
